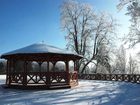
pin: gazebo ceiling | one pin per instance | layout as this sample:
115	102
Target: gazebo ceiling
41	51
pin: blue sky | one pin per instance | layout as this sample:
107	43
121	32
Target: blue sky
24	22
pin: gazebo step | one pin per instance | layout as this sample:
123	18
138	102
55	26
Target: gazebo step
60	87
37	87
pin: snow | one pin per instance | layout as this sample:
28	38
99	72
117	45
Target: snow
40	48
88	92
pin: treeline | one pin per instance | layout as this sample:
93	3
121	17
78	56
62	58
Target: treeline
119	66
2	66
36	67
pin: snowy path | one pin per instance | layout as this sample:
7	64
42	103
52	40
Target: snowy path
89	92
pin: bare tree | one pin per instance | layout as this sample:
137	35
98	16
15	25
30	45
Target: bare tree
120	61
132	65
2	66
86	31
133	10
103	58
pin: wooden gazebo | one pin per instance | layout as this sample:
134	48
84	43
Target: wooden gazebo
33	67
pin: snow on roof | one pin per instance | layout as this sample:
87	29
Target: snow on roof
39	48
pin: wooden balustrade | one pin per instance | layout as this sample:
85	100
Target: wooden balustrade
134	78
46	78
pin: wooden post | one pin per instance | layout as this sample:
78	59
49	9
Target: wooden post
74	65
53	66
7	73
67	72
75	70
48	74
40	74
134	77
122	77
48	66
40	63
25	74
129	78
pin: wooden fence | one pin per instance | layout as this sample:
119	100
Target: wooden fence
134	78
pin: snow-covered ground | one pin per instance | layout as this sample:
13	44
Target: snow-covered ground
89	92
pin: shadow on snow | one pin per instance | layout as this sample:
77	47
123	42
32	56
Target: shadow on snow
89	92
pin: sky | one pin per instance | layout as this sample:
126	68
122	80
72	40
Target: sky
25	22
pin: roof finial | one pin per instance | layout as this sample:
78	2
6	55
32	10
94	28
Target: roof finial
42	41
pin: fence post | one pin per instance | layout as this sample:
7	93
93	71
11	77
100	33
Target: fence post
129	79
134	77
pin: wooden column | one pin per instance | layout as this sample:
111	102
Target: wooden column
25	74
40	74
48	66
75	68
67	72
7	72
67	66
40	63
48	74
53	66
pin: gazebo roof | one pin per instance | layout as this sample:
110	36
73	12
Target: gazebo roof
40	48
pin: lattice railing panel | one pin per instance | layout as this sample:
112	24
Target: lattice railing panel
135	78
15	78
58	77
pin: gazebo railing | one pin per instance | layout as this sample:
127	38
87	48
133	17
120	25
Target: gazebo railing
135	78
46	78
